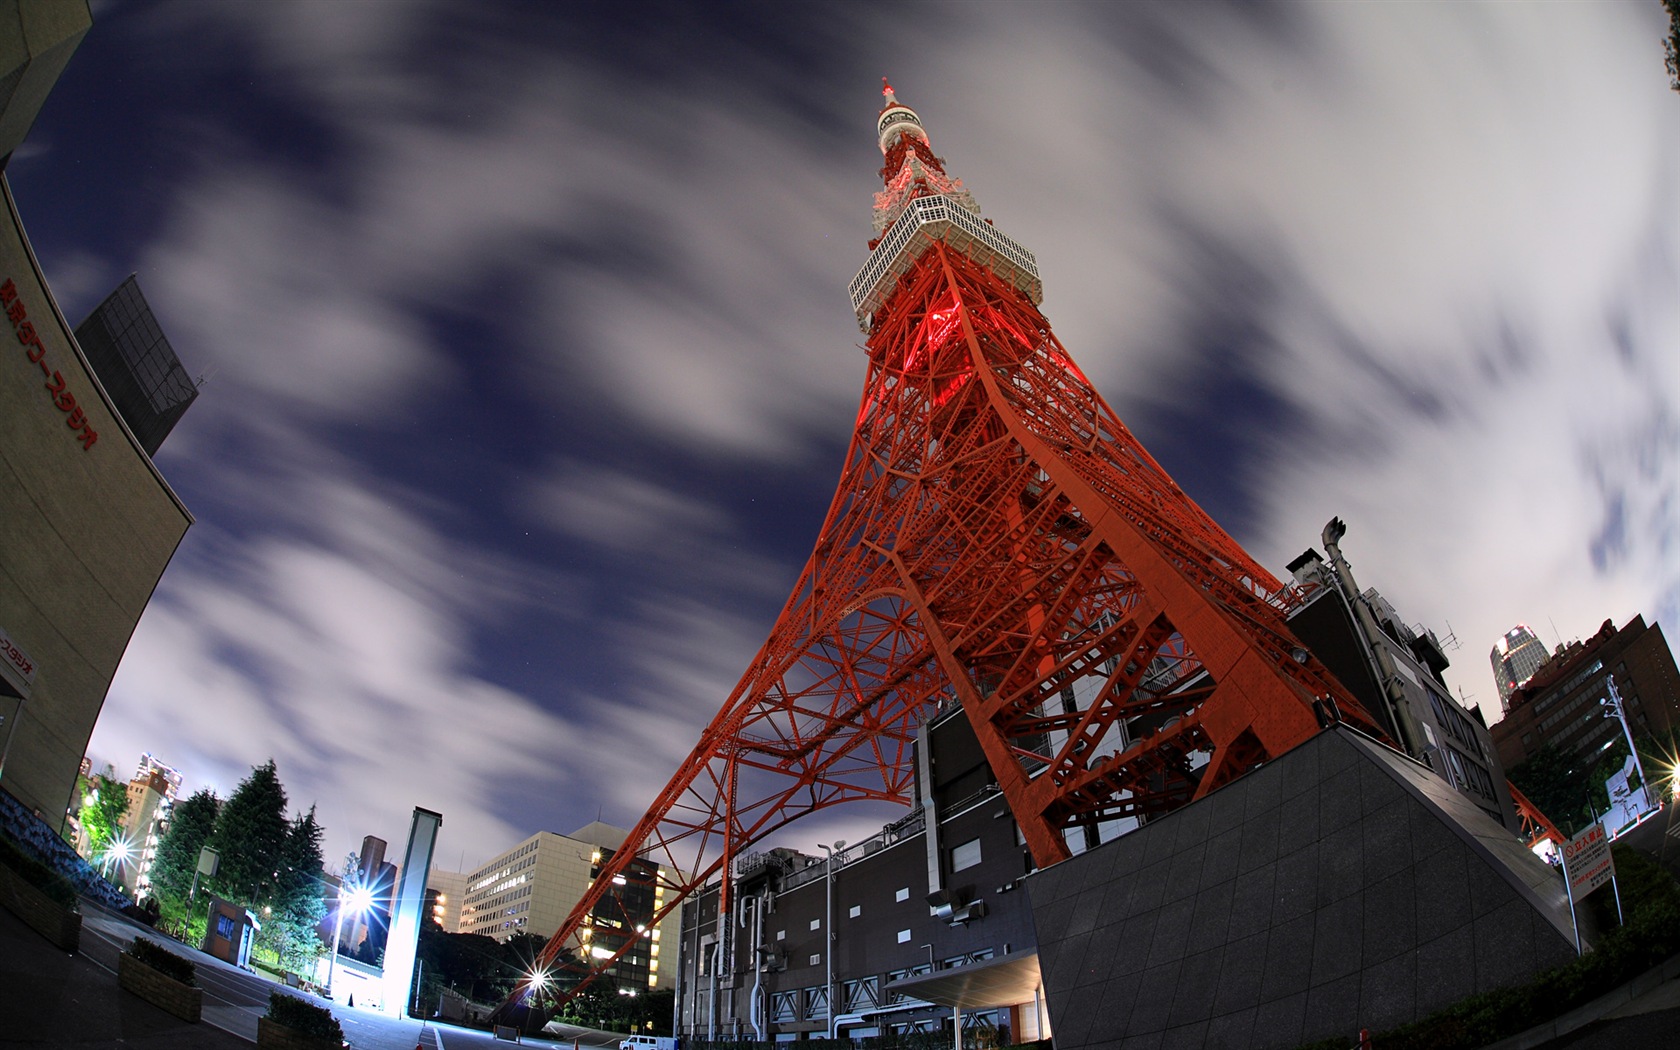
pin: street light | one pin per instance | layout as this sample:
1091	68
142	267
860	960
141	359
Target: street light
358	900
119	850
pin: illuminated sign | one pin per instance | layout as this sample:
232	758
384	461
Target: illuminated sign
62	399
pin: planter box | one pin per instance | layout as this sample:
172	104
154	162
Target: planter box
164	992
271	1036
58	924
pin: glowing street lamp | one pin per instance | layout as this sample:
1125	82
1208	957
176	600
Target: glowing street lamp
120	850
358	900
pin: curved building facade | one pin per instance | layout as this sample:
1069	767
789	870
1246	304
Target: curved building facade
87	523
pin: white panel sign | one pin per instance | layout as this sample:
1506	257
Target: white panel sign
1586	858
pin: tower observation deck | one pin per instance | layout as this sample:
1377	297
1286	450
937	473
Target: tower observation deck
998	542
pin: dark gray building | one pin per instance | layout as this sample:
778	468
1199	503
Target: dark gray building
135	363
906	931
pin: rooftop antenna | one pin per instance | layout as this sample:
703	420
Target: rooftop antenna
1556	637
1450	641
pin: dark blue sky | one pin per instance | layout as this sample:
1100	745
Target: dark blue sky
529	364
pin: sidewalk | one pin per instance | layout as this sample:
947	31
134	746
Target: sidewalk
48	998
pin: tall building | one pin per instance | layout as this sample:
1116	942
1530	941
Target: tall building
534	886
1395	671
127	347
89	522
1559	705
151	798
447	890
1515	658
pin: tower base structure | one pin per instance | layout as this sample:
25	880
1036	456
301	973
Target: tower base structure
1338	887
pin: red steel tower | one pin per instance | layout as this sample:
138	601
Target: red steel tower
999	541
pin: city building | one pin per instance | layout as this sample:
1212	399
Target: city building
151	797
1395	671
1560	706
447	890
1515	658
89	521
136	364
907	931
534	886
365	933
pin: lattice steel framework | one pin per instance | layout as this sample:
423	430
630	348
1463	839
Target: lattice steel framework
999	540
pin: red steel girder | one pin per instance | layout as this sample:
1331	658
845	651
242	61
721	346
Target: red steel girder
998	539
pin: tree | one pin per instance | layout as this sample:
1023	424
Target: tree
250	834
1550	782
1671	46
297	903
190	824
104	803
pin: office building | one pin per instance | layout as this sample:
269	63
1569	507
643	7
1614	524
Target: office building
907	931
533	887
136	364
89	522
1515	658
151	798
447	890
1560	704
1395	671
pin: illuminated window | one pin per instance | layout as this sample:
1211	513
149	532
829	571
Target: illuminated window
857	909
902	895
904	936
966	855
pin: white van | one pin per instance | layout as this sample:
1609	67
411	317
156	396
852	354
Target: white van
648	1042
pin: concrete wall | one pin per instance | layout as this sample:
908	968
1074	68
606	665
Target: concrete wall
1338	887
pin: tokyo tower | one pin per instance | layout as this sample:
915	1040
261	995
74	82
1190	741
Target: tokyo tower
999	541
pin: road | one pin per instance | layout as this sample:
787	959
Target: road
235	998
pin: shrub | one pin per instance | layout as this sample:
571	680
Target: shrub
304	1017
38	875
162	960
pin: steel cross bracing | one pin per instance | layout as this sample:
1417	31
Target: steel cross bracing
998	540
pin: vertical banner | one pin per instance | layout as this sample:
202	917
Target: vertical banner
410	900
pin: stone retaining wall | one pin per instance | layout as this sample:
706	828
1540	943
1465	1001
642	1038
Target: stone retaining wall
44	915
162	991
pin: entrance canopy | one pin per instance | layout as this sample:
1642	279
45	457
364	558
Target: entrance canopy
1002	981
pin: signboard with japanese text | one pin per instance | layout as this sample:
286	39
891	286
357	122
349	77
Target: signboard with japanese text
1586	858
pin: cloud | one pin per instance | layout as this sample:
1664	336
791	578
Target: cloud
1415	267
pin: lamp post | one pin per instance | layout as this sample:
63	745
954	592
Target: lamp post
1612	705
360	899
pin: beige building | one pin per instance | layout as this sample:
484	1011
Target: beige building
448	888
87	524
151	797
532	887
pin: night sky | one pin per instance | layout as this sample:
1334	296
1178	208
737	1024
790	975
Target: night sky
528	363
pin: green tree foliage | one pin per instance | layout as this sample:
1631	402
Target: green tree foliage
190	825
250	834
104	804
297	904
1550	782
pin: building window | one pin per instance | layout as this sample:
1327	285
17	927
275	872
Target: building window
816	924
966	855
857	909
904	936
816	960
902	895
781	935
